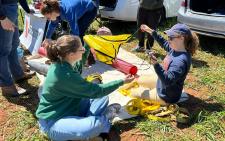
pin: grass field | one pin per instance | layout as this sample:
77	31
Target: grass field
205	84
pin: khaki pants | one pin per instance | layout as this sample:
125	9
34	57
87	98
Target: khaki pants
147	88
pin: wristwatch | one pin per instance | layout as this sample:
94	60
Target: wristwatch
2	17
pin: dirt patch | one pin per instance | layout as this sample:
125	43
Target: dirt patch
3	119
128	135
133	135
192	92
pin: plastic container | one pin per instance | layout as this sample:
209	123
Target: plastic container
124	66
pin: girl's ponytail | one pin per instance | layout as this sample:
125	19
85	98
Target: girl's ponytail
52	52
191	43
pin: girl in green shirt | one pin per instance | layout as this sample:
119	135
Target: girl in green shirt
71	108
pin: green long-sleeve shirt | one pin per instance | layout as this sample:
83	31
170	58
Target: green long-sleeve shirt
64	88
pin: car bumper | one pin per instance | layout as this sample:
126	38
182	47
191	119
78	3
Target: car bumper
210	25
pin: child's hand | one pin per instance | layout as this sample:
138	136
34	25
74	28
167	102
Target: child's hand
153	59
145	28
129	78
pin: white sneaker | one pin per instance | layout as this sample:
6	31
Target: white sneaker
112	111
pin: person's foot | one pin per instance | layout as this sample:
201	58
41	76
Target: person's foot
138	49
13	91
27	75
112	111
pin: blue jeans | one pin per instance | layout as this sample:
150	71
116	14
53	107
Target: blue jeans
9	41
90	123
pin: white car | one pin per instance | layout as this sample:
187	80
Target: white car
126	10
207	19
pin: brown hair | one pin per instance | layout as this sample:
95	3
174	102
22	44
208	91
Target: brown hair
191	43
58	49
49	6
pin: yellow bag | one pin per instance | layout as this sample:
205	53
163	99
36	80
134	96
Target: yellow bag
106	47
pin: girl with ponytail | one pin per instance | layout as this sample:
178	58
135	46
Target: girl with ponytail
168	85
70	107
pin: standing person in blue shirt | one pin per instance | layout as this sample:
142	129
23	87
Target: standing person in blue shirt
10	68
78	13
182	44
70	107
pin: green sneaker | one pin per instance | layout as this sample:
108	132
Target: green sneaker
138	49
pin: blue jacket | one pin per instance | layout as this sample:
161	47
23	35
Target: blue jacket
70	11
172	73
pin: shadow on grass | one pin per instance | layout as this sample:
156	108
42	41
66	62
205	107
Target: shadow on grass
216	46
195	106
123	126
199	63
29	101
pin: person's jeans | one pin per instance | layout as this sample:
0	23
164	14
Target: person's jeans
9	41
90	123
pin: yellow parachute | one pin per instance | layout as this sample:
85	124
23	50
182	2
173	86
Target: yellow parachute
106	46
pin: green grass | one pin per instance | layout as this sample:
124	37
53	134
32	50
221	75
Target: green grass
207	109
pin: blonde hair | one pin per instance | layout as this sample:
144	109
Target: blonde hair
49	6
64	45
191	43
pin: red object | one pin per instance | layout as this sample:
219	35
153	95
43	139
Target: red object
37	5
42	51
124	67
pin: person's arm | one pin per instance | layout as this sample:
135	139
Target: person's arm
51	28
174	72
24	5
85	55
6	23
2	15
161	41
75	86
